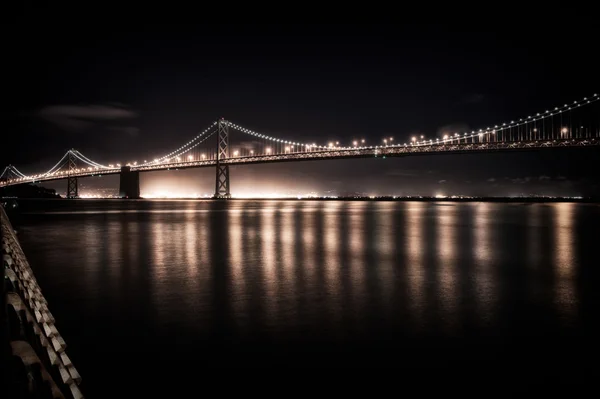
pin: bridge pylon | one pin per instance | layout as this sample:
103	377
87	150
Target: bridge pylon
222	175
72	189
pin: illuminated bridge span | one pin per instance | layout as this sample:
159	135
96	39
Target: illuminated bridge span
225	143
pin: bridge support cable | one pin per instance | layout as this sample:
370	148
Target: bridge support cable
184	148
222	172
72	189
5	173
88	161
16	171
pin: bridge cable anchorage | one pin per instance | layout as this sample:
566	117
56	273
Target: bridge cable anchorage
222	171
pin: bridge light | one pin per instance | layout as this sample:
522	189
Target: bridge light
251	152
111	165
445	137
385	141
236	153
156	160
330	144
337	143
178	159
203	156
362	141
355	143
134	164
413	139
287	149
268	150
118	165
190	157
564	130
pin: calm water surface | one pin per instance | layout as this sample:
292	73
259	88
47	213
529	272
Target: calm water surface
156	290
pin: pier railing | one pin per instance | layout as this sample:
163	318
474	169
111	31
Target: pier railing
33	349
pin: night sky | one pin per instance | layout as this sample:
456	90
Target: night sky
118	95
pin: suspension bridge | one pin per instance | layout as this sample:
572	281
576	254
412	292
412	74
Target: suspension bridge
225	144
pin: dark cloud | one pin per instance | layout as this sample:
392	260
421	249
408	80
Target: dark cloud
544	177
81	117
441	181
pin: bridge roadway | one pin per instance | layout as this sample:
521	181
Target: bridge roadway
339	153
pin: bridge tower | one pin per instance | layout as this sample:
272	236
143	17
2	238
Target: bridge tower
222	177
72	191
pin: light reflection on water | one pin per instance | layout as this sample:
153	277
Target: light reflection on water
242	276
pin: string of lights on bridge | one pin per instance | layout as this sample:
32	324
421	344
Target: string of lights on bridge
184	148
175	156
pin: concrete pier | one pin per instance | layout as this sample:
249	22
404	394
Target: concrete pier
129	184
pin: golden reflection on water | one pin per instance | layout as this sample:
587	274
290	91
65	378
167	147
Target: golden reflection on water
191	247
447	273
287	238
324	267
565	259
415	265
356	269
309	245
267	245
332	247
93	240
485	256
133	246
385	259
236	261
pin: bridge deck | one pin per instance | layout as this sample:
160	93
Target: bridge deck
338	153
